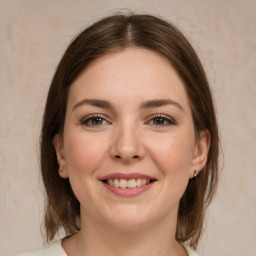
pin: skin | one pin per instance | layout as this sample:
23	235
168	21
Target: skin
126	138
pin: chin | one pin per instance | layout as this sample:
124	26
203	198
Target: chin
128	219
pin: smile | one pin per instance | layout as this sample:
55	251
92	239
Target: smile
123	183
127	184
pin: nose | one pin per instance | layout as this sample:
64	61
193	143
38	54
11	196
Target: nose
127	145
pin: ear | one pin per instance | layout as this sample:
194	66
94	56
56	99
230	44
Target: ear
59	149
201	149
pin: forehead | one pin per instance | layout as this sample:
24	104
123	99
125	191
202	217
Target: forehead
133	73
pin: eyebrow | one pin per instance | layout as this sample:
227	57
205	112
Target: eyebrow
160	103
93	102
144	105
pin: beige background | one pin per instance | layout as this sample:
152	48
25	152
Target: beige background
33	36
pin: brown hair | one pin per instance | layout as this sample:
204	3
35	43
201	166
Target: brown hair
113	34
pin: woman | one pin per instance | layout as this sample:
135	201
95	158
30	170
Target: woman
129	143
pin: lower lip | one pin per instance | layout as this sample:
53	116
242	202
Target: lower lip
129	192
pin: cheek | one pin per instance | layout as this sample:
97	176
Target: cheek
83	153
173	155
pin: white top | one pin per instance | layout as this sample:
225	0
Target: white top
56	249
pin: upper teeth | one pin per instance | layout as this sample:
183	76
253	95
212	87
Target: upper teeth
132	183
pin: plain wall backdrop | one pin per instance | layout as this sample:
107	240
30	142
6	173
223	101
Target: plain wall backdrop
33	37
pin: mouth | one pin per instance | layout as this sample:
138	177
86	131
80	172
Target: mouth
128	183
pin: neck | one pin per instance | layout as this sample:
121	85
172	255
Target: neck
152	240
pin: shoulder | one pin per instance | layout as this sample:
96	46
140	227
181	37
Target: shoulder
190	251
52	249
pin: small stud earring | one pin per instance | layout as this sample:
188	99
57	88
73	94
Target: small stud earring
196	173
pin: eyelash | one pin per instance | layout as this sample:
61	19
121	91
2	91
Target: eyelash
166	121
164	118
90	118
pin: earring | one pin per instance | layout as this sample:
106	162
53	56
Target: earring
63	174
196	173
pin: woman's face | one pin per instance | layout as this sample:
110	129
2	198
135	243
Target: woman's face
129	122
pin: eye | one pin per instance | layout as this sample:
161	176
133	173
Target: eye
94	120
161	120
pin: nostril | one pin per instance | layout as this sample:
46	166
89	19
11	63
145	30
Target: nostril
134	157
